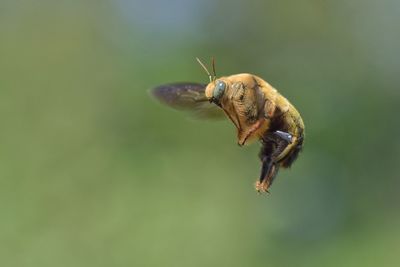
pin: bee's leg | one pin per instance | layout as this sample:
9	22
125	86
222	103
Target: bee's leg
267	167
242	136
273	145
268	171
280	140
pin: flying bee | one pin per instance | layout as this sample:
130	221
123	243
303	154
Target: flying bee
257	109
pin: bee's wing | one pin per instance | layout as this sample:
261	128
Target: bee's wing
188	97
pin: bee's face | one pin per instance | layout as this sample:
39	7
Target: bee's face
216	90
236	88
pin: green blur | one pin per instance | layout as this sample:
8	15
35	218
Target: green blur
94	172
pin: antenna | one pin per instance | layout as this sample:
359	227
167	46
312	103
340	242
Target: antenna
204	67
213	66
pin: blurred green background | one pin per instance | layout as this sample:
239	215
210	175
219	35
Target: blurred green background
94	172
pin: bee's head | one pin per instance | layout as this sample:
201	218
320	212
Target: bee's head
216	90
230	87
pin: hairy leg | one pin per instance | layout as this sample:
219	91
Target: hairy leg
273	145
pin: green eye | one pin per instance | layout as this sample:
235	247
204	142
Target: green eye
219	90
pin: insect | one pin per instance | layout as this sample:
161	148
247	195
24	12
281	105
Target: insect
257	109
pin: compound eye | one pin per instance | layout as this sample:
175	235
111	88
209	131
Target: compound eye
219	90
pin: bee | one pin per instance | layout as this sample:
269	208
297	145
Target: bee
258	111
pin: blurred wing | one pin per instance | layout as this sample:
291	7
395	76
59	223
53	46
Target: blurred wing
188	97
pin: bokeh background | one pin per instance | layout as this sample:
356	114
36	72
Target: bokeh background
94	172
